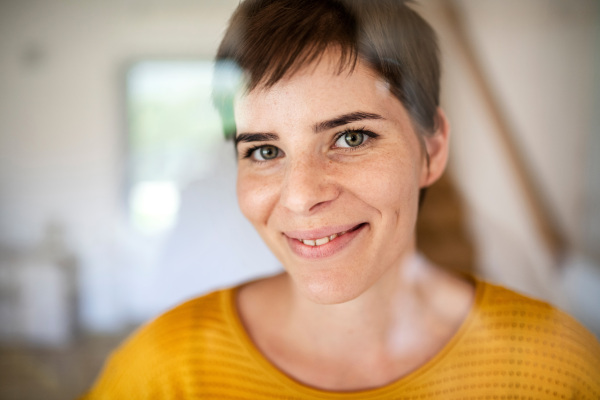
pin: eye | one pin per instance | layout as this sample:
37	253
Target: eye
265	153
350	139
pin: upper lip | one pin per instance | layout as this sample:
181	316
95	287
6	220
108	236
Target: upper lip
318	233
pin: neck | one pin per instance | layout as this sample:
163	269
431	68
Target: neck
395	326
377	317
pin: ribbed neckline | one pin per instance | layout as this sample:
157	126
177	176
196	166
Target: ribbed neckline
234	319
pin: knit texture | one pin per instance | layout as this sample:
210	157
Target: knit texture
509	347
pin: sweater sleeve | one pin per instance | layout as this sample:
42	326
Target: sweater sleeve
153	363
133	371
547	349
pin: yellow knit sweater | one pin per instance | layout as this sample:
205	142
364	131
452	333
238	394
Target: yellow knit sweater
509	347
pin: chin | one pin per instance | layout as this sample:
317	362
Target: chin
328	290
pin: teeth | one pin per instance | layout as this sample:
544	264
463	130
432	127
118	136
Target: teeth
321	241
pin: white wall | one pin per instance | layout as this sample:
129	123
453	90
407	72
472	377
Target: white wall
541	60
61	114
62	127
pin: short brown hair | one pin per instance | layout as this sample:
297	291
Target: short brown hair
269	39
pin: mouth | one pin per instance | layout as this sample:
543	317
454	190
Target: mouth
322	243
326	239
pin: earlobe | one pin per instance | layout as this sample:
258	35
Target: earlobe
437	146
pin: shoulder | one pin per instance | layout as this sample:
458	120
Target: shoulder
162	352
172	331
510	311
534	337
187	319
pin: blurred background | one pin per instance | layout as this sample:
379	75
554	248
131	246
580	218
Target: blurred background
117	191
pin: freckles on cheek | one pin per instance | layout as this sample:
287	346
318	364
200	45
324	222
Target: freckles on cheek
254	198
391	187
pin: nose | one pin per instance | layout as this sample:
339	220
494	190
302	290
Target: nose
309	184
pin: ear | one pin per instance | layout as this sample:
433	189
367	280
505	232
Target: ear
437	146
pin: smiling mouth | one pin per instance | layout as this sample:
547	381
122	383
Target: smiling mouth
327	239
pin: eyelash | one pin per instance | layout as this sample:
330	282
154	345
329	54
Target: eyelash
371	135
248	152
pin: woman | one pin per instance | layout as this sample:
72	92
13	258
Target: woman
338	132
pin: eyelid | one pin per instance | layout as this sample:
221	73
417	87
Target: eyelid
245	149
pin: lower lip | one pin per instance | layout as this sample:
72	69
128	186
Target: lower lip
325	250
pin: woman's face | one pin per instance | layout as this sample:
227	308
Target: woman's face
329	174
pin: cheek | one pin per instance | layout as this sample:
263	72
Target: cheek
255	197
389	184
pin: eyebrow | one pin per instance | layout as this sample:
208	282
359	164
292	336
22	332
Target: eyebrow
344	119
319	127
255	137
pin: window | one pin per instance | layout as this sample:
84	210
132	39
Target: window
173	130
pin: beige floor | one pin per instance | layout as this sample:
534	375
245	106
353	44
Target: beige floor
28	373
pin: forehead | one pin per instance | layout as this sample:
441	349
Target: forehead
316	92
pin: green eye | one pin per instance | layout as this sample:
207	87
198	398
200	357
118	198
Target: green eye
266	153
350	139
354	139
